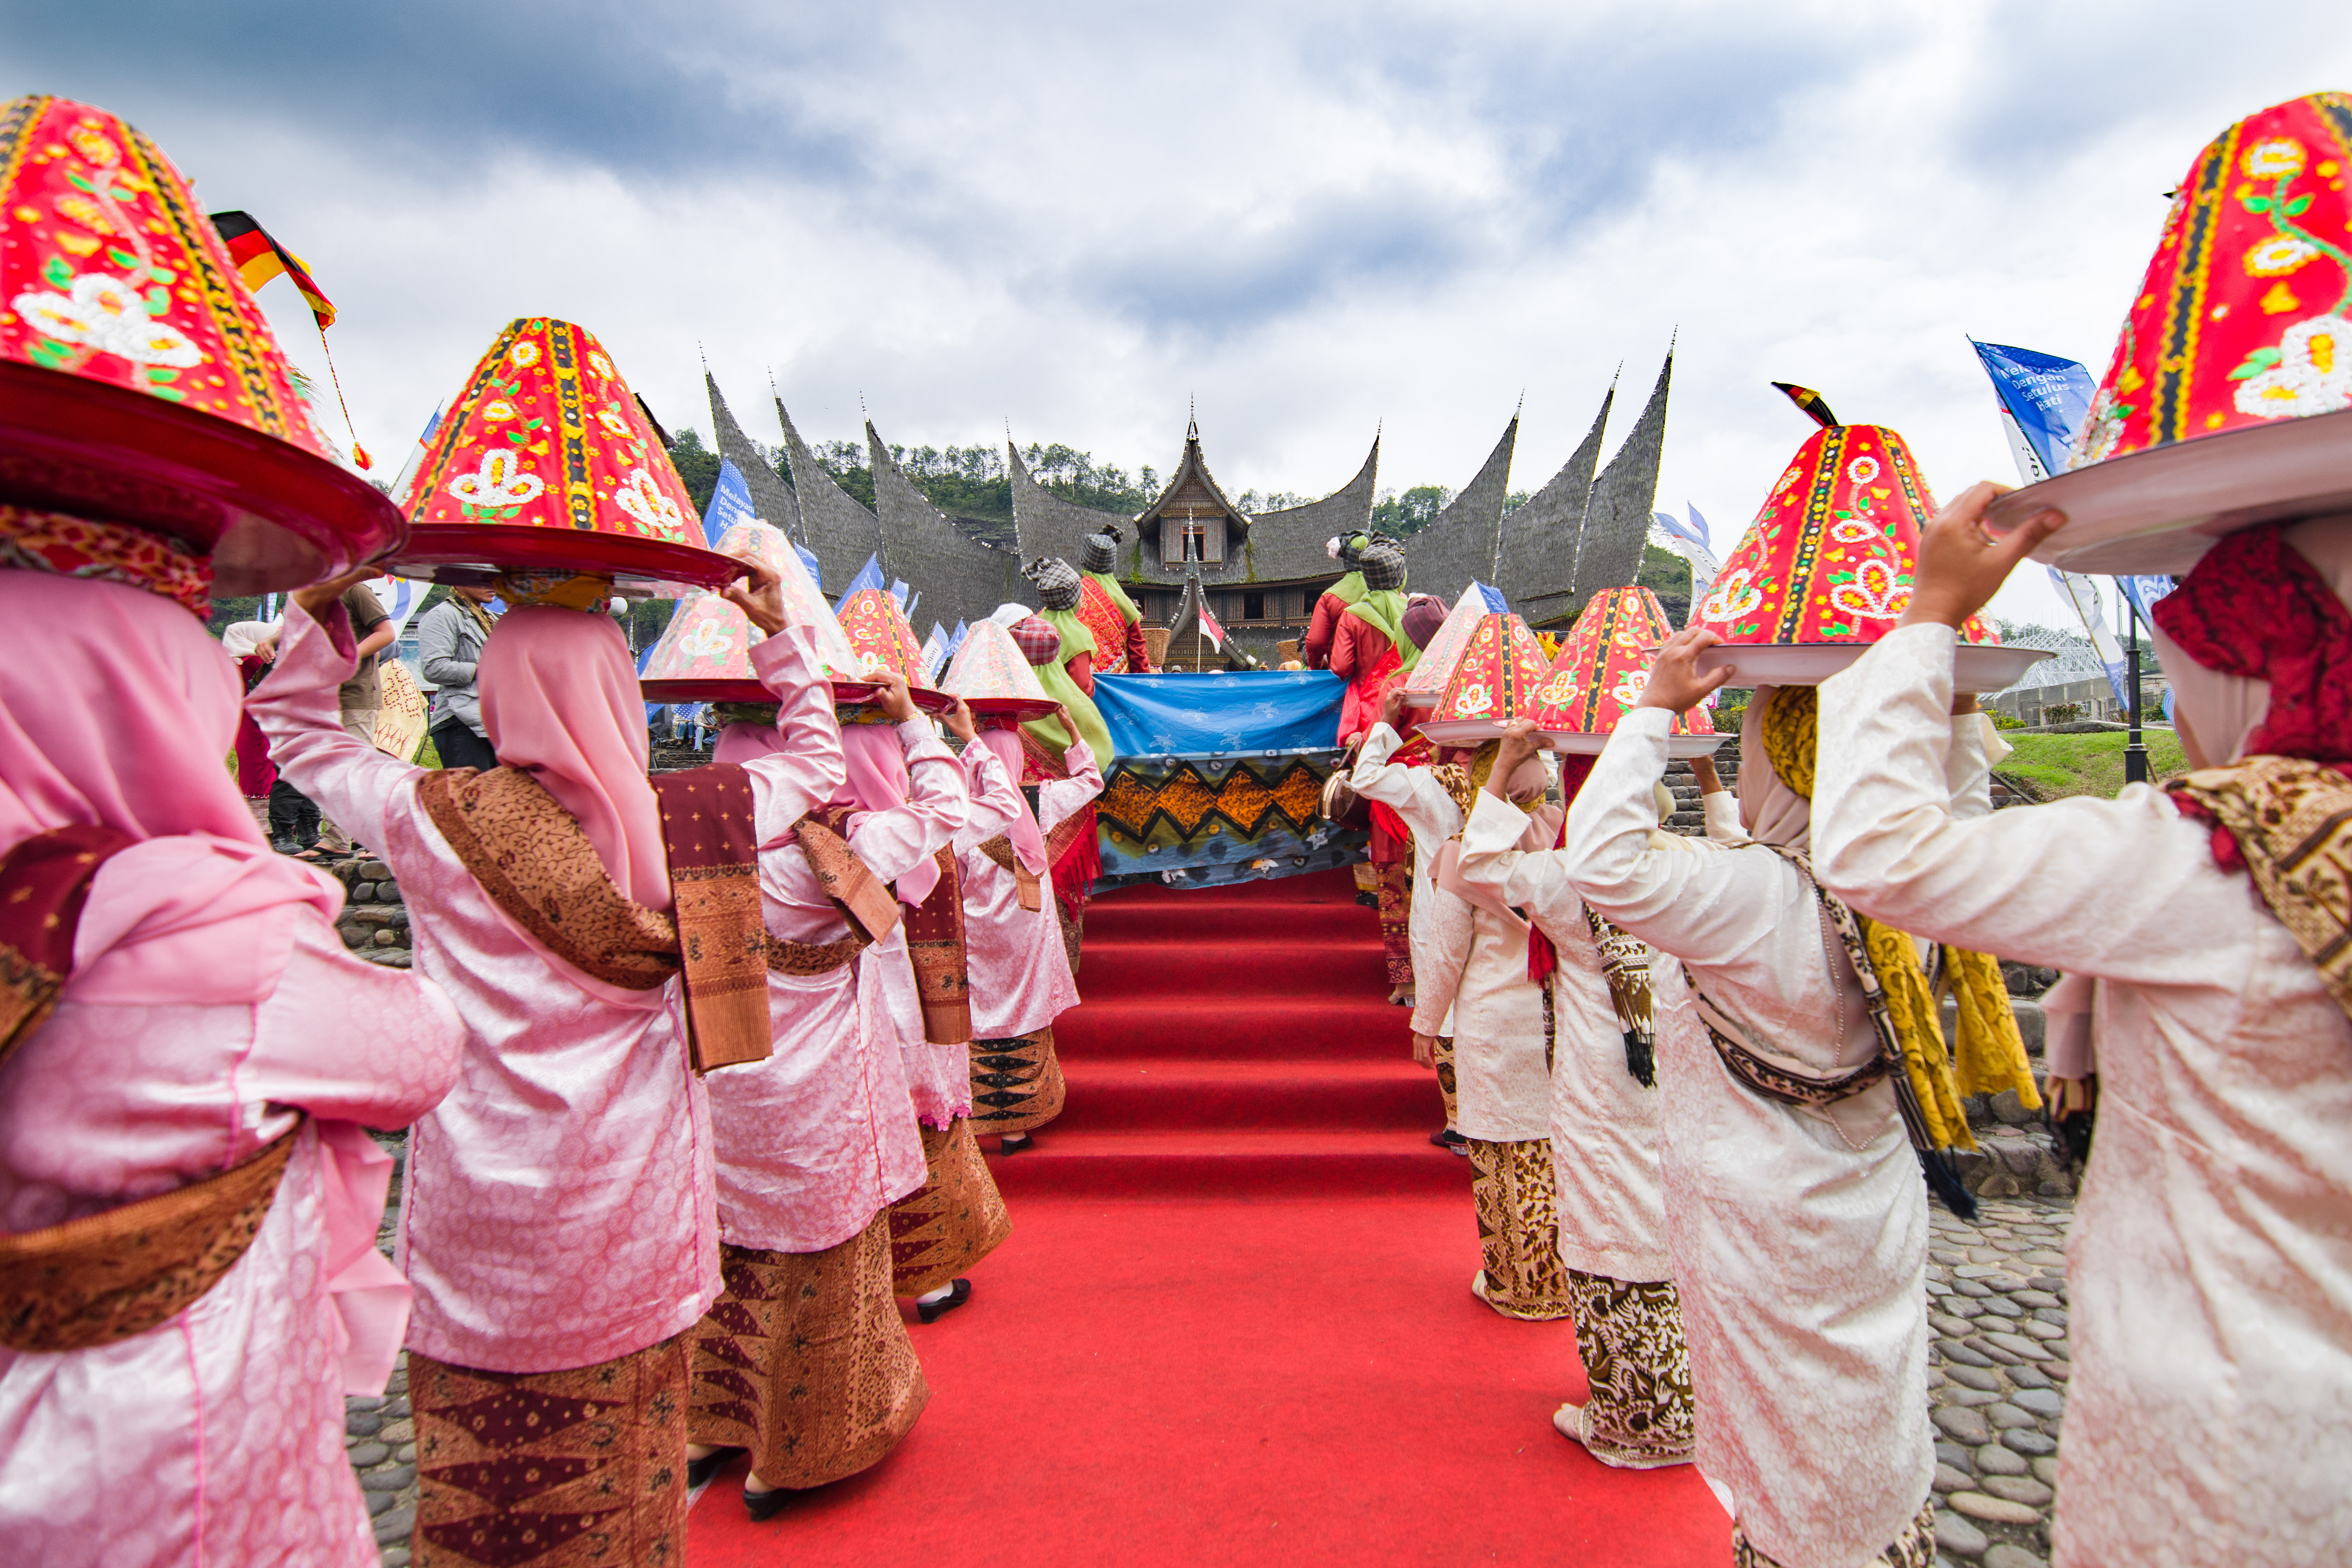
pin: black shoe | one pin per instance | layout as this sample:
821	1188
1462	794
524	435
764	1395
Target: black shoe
767	1504
958	1294
698	1472
1015	1143
1446	1138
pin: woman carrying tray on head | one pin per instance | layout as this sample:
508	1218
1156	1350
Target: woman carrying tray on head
561	1228
189	1284
1058	644
805	1360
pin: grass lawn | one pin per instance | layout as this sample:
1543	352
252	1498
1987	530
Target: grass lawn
2088	764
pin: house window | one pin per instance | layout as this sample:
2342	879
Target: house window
1253	606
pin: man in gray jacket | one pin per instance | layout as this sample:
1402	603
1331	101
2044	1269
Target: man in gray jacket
449	646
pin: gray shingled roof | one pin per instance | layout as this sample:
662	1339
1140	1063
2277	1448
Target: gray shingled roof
1534	563
959	577
842	532
770	497
1617	518
1459	543
1048	525
1287	546
1191	482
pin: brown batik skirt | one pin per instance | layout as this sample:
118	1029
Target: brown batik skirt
1396	918
1073	931
1518	1229
956	1219
805	1360
1017	1083
1446	1081
1637	1365
551	1469
1915	1548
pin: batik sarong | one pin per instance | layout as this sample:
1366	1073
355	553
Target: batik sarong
1396	913
1915	1548
1016	1084
551	1469
1073	931
1518	1229
1637	1365
804	1361
953	1221
1445	1081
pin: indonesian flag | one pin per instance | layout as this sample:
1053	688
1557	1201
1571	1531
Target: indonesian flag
1209	624
260	258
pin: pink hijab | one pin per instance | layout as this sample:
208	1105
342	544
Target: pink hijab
1028	842
1770	811
116	709
875	779
560	700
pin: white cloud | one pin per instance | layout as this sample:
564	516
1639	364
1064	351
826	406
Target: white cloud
1316	219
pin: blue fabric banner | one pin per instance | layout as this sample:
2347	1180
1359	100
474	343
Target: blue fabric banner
2048	397
1220	715
730	503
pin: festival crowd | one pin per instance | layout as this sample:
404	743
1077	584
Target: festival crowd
694	1064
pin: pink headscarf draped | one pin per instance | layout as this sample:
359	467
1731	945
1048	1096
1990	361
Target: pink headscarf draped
560	700
116	709
1769	810
1028	842
874	770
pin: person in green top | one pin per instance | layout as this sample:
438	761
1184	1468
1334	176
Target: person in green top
1371	645
1323	629
1108	612
1069	679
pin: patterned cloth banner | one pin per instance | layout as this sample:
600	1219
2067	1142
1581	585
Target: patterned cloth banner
1199	821
1219	778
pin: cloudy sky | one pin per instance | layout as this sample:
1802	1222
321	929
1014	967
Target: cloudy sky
1318	219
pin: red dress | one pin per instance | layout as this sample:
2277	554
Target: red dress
1363	655
1315	650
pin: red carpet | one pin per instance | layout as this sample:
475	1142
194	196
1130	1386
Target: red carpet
1234	1322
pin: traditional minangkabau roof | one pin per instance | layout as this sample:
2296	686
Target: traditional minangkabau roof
1045	524
1617	518
770	497
1192	494
1287	546
1535	564
1459	544
843	533
959	577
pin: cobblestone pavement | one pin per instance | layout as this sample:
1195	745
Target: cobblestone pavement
1997	1372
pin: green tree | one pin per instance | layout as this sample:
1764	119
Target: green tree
1402	516
696	465
1668	575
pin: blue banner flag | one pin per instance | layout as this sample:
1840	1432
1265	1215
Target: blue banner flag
730	503
808	559
2048	397
955	637
1495	603
868	576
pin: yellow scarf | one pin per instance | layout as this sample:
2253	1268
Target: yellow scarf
1991	1055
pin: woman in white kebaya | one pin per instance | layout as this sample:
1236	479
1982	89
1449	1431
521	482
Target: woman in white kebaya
2210	1411
1794	1208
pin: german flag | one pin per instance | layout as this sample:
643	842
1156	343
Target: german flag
260	258
1811	402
